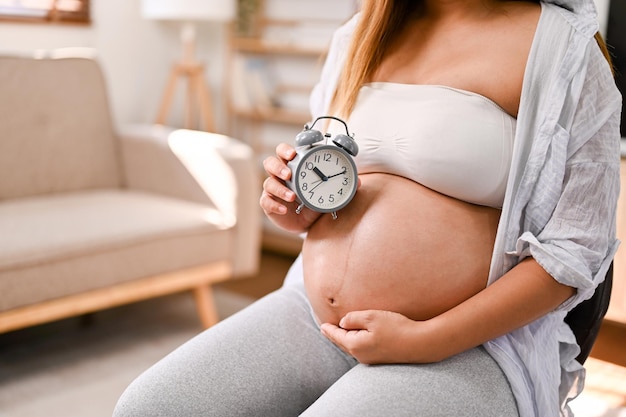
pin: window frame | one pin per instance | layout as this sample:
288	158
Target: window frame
17	11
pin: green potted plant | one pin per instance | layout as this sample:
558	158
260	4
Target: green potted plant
248	17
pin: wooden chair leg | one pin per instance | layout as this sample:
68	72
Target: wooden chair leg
205	304
204	99
168	96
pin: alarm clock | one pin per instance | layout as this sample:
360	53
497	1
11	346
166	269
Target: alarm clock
323	176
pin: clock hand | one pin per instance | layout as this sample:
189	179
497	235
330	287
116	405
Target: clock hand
320	182
340	173
320	174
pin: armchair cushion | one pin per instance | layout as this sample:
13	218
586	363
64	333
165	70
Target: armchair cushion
88	240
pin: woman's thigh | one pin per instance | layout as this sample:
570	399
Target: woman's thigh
469	384
268	360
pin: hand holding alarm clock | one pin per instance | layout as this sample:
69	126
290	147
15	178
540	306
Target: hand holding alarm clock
323	176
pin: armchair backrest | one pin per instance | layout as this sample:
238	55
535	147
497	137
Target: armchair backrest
56	133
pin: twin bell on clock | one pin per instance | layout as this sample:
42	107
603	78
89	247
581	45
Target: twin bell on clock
323	175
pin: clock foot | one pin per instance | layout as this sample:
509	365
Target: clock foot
299	209
334	214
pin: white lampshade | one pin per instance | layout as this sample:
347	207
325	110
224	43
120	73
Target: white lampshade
189	10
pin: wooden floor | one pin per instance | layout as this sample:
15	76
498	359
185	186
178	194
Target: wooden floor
272	272
611	344
606	368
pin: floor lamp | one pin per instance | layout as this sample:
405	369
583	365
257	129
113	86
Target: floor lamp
189	12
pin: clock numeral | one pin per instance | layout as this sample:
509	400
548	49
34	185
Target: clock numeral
327	157
320	200
340	192
345	181
331	198
309	166
304	186
302	174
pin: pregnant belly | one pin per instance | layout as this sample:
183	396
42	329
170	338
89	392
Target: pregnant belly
399	247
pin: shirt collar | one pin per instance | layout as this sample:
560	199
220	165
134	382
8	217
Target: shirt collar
583	12
586	8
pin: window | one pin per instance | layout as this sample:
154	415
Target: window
76	11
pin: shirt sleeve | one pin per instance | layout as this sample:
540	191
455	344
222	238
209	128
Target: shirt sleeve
578	241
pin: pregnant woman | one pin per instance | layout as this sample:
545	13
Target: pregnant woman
488	179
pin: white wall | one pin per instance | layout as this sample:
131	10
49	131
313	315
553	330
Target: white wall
136	55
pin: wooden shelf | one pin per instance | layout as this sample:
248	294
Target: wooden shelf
263	47
293	88
265	21
272	67
275	115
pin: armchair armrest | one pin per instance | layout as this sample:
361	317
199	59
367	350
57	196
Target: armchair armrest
204	167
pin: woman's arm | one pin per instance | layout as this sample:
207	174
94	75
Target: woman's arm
521	296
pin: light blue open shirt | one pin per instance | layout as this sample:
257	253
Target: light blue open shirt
560	203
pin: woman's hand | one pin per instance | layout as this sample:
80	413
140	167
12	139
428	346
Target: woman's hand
521	296
277	200
375	336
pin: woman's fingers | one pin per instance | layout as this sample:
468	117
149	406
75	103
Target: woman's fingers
285	151
275	167
274	195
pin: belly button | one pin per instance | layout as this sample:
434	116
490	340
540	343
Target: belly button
331	301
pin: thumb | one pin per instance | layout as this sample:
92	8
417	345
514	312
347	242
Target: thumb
356	320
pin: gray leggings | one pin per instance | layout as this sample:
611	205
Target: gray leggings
271	360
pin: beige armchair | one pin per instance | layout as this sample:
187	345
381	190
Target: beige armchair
91	218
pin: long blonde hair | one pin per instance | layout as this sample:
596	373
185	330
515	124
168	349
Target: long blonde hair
372	37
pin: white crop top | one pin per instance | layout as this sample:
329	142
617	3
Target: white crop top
453	141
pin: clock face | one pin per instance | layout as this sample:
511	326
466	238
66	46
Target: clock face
325	178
